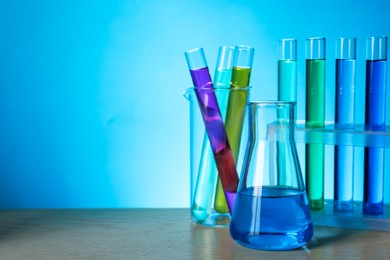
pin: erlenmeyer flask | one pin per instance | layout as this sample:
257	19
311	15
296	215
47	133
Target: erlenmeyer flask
271	210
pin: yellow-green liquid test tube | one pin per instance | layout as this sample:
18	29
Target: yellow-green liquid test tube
239	90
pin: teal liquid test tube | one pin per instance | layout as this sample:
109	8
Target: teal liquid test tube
238	96
315	117
287	70
344	119
202	206
222	77
287	91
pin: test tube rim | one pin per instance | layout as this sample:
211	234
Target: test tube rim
244	47
369	41
281	43
224	48
192	89
288	39
352	57
194	49
316	38
377	37
309	51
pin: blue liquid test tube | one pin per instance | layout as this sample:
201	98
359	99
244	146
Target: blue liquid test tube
207	174
287	91
376	71
214	125
344	119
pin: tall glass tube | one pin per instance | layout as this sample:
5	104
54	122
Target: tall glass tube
287	70
214	123
376	71
242	67
287	91
222	77
207	173
344	119
315	117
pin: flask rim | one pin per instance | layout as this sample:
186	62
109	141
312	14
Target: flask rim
271	103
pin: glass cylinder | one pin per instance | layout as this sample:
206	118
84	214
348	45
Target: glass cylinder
344	119
204	170
271	212
315	117
210	113
374	158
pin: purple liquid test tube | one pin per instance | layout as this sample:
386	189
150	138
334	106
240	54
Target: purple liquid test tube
213	121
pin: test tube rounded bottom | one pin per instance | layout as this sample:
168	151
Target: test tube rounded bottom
316	204
343	178
342	206
373	180
372	208
315	175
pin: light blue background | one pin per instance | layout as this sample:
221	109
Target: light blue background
91	106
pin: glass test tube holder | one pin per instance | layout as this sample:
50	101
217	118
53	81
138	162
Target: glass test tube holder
358	137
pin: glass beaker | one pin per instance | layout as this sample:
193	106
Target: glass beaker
271	210
203	168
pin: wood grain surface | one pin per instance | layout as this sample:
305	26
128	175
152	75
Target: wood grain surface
158	234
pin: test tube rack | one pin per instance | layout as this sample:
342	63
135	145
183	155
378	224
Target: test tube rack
357	137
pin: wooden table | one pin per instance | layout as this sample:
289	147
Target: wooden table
158	234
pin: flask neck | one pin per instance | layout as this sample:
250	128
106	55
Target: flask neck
271	121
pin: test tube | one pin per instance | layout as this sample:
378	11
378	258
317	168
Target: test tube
376	71
344	119
222	77
287	91
213	121
238	96
315	117
207	173
287	70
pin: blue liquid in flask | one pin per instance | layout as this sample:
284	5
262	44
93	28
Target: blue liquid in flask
280	218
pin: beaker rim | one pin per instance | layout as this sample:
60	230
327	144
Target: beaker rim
268	103
217	88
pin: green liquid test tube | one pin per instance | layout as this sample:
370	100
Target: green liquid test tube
239	89
315	117
287	91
